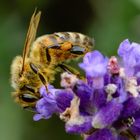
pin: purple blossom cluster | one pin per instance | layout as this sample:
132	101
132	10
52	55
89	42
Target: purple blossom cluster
105	105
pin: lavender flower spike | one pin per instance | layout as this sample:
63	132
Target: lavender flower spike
105	105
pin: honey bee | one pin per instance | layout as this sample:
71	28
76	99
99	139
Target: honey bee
41	59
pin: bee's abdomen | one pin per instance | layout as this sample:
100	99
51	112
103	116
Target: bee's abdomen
75	38
61	46
59	38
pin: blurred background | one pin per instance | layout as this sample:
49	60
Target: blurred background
109	22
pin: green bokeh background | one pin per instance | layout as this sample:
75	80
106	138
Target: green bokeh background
108	21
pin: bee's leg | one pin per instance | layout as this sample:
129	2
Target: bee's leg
71	70
41	76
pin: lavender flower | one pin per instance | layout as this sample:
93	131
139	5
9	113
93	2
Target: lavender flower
94	64
103	106
130	53
55	101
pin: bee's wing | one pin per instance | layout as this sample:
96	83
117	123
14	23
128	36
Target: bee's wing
31	34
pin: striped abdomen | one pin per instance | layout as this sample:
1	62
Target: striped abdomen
75	38
61	46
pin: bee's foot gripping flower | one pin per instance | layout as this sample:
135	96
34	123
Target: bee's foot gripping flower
103	106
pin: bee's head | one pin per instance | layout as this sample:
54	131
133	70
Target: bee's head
26	97
24	83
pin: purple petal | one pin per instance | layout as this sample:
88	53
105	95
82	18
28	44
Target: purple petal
136	127
131	106
103	134
137	74
120	93
94	64
107	114
136	51
129	64
130	54
99	98
84	92
63	99
96	82
37	117
124	48
55	101
45	108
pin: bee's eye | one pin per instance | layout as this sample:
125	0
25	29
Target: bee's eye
28	98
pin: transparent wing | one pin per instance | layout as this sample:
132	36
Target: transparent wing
31	34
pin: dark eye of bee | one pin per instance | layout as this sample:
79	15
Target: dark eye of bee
28	98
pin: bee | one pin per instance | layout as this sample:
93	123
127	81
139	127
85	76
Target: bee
41	59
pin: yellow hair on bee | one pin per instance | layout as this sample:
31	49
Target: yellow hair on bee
16	68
